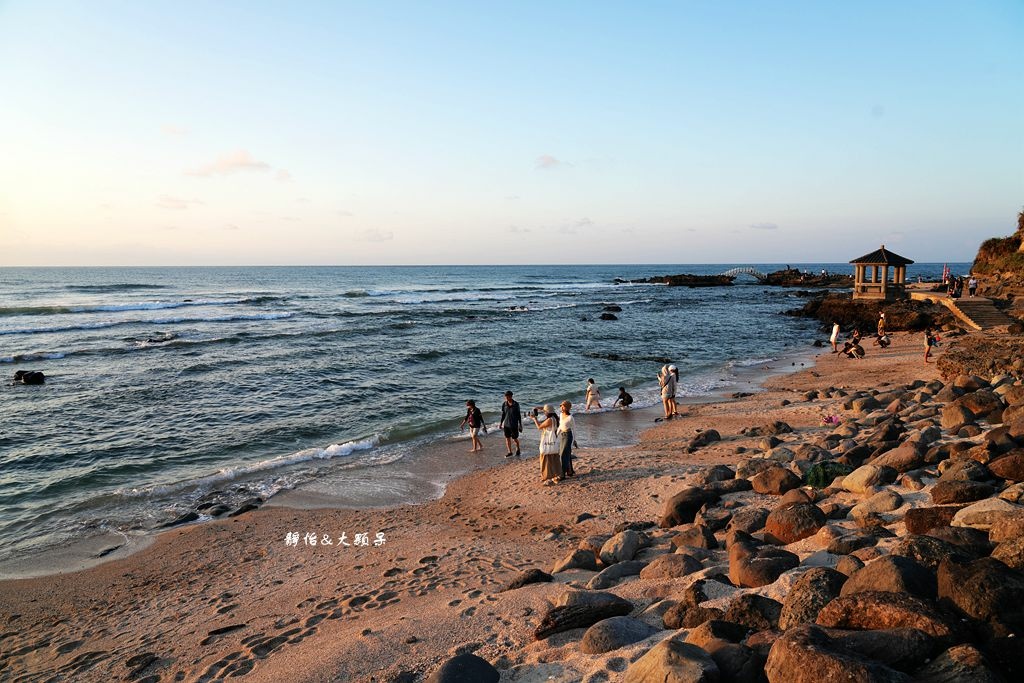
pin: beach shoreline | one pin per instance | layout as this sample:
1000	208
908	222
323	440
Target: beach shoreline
446	558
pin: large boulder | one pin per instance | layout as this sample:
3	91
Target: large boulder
465	668
695	536
959	664
580	609
774	481
893	574
684	505
983	514
1011	553
880	610
813	590
866	477
747	519
621	547
921	520
752	565
946	492
885	500
1009	466
609	576
986	590
903	649
792	522
673	661
577	559
805	654
671	567
754	611
955	416
902	459
611	634
930	551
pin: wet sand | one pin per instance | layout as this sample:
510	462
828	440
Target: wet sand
232	597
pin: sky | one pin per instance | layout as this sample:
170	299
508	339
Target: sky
334	133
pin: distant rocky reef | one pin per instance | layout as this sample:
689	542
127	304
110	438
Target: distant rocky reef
684	280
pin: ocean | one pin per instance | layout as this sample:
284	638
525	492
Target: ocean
172	389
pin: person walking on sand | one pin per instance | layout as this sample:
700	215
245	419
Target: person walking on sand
624	400
550	462
834	339
929	342
566	438
511	423
667	381
475	420
593	394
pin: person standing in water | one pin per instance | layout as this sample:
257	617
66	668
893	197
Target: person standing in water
475	420
511	423
593	394
566	438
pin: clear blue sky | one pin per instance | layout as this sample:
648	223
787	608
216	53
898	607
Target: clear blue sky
439	132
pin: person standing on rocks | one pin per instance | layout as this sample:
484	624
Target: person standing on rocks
511	423
550	462
972	286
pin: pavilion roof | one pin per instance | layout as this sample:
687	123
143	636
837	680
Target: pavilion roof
883	257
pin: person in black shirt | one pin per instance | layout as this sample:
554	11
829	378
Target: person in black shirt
475	420
511	423
624	400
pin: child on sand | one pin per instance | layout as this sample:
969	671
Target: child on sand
593	394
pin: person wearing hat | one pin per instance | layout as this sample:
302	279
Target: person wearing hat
511	423
550	460
881	324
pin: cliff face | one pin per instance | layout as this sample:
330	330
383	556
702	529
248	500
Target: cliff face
999	267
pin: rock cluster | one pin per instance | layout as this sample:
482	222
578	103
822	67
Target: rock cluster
888	547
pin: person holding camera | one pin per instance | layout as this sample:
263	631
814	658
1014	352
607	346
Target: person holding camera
550	463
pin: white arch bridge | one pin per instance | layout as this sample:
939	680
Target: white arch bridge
746	270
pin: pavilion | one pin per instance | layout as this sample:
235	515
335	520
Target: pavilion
880	285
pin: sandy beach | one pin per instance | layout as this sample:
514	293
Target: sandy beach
244	598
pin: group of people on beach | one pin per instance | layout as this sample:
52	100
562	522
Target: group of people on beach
955	286
853	349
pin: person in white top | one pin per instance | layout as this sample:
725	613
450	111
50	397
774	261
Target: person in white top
566	438
834	339
593	394
667	381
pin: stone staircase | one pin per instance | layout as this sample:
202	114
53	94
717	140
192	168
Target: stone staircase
981	312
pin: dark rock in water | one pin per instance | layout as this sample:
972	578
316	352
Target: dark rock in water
960	664
756	612
879	610
609	316
673	660
611	634
683	506
892	574
247	506
813	590
612	309
806	654
190	516
465	668
822	474
218	510
792	522
532	575
568	617
986	590
29	377
686	280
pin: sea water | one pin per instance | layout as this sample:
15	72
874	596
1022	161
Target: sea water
170	387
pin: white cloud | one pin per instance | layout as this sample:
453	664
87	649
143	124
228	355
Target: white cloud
547	162
376	235
230	226
232	162
171	130
283	176
345	214
516	230
176	203
764	226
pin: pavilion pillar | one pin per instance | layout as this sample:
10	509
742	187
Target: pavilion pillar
885	277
